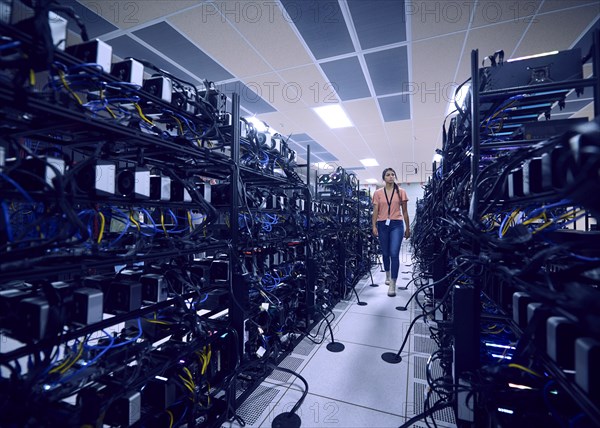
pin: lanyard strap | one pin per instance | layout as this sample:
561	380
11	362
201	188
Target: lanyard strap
389	201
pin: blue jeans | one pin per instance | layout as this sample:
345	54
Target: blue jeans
390	239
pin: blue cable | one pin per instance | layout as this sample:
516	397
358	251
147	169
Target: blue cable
127	223
584	258
10	45
86	65
9	234
94	360
139	320
18	187
182	416
540	210
502	225
145	211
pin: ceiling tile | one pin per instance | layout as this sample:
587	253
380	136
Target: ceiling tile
543	37
427	136
273	90
314	146
279	122
553	5
214	33
431	18
396	107
346	133
432	87
307	121
378	22
269	31
301	137
321	25
347	78
488	40
95	15
586	41
362	112
388	70
125	46
327	157
379	145
250	97
401	129
127	14
574	106
587	112
305	86
489	12
174	45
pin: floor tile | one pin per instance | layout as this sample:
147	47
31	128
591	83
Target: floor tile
373	330
317	411
358	376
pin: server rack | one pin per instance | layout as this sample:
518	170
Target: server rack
494	233
123	290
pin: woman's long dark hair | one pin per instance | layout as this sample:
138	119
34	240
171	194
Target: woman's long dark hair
383	178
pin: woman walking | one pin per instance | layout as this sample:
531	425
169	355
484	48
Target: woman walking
390	224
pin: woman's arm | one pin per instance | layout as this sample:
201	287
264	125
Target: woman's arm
406	219
374	219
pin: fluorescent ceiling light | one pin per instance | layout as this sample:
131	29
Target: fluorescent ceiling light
369	162
371	180
258	124
532	56
334	116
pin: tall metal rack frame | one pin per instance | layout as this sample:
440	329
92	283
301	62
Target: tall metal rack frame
477	97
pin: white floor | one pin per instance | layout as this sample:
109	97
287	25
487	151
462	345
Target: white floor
355	388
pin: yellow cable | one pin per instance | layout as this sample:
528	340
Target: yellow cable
545	225
102	225
58	368
189	216
141	113
158	322
162	223
538	217
510	220
171	418
67	87
569	214
179	125
186	383
525	369
74	360
114	116
190	375
134	221
209	355
31	77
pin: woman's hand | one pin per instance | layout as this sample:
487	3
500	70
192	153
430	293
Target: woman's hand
407	233
375	233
